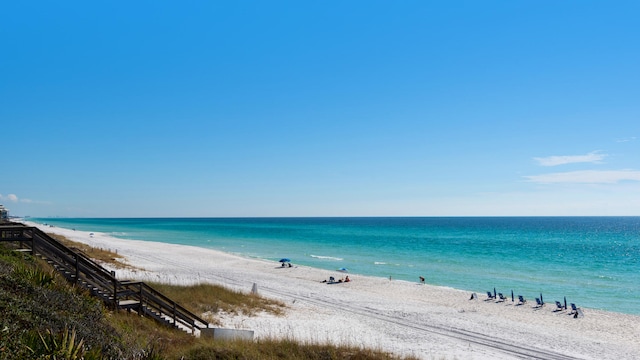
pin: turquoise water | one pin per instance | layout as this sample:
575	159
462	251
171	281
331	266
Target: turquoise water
593	261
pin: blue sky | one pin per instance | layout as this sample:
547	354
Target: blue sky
320	108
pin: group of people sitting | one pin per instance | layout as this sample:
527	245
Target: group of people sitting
332	280
287	264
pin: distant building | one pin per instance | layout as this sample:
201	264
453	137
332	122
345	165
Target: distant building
4	213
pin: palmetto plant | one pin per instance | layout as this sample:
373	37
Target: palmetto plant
63	346
36	276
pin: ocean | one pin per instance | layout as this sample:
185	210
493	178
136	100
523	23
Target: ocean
592	261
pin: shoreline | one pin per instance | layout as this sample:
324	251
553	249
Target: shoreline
557	257
401	317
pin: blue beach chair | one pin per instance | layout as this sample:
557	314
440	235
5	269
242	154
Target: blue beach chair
574	309
501	298
521	300
576	312
559	306
490	296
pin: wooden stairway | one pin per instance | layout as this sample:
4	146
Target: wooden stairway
78	269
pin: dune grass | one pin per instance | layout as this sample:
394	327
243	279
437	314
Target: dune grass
103	256
215	299
159	342
284	349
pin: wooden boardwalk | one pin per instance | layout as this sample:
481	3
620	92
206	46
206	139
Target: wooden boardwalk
78	269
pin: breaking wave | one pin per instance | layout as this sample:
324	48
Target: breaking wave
327	257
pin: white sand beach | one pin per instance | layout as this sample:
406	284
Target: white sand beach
397	316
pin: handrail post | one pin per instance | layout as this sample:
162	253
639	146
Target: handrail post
116	303
175	321
33	243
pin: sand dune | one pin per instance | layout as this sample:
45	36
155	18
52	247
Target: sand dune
401	317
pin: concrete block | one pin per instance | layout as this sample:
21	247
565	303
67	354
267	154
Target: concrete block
227	334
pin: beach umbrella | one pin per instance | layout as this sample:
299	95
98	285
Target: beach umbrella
494	292
512	296
565	303
542	301
343	269
284	260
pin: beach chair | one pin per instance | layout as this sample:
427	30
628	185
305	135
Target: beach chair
539	303
574	309
501	298
559	306
521	300
490	296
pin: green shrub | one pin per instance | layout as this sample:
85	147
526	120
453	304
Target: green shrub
32	302
57	346
36	276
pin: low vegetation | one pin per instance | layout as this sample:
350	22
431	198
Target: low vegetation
43	317
103	256
215	299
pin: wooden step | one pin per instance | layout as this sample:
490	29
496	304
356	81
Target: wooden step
128	303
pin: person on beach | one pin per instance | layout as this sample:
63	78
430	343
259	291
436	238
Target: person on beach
347	279
421	280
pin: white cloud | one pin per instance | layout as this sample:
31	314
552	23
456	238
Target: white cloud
14	198
586	177
633	138
592	157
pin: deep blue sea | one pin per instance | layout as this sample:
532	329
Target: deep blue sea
593	261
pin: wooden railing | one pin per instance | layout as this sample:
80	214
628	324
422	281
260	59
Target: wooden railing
155	304
81	270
